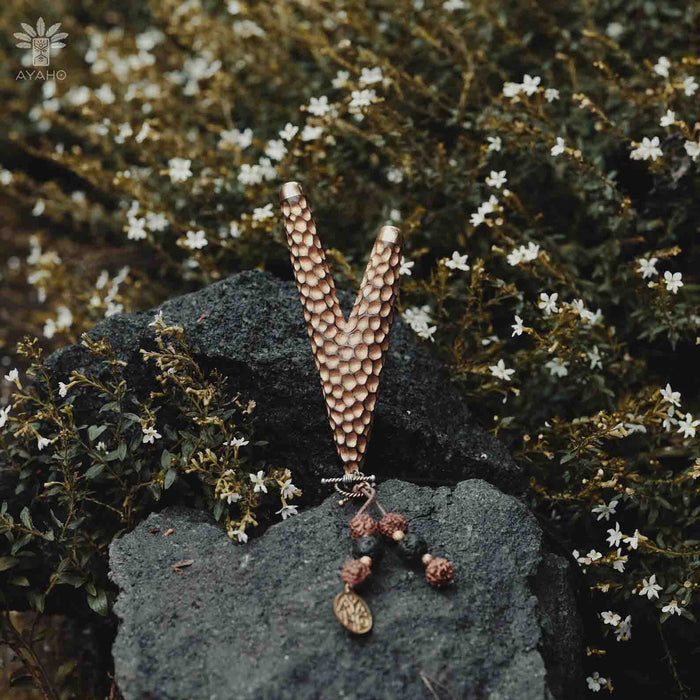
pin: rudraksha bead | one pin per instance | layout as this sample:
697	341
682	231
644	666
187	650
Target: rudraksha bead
411	548
354	572
439	572
368	546
392	522
362	525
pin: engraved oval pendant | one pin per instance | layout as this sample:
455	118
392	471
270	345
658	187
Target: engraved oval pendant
352	612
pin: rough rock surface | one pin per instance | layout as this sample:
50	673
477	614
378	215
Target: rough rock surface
251	327
255	621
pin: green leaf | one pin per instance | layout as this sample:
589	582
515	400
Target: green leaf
19	581
99	603
121	451
94	471
165	459
94	431
170	477
8	562
26	518
37	600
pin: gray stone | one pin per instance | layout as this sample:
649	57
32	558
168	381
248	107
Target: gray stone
251	327
255	621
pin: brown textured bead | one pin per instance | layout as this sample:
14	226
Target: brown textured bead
362	525
354	572
349	353
439	572
392	522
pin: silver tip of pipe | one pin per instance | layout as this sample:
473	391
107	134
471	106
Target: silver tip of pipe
290	189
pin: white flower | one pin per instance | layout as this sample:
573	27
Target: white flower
649	148
615	30
241	535
258	479
233	7
150	434
340	79
495	143
593	556
232	497
530	83
517	326
614	535
242	139
661	67
311	133
669	118
669	421
551	94
361	98
647	267
690	86
4	414
427	333
136	230
692	148
672	608
262	213
687	426
623	632
594	358
368	76
105	95
511	89
62	389
236	442
670	396
5	177
156	222
650	588
39	207
101	447
548	303
605	511
559	147
633	541
452	5
289	131
276	149
179	169
42	442
318	106
557	367
596	682
497	179
246	29
288	490
394	175
458	262
406	266
194	240
13	377
287	510
673	281
499	370
611	618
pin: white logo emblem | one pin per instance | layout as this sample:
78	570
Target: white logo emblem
40	41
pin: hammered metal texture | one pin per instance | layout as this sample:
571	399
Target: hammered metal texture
349	354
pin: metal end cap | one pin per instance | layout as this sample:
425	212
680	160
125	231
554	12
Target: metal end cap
290	189
389	234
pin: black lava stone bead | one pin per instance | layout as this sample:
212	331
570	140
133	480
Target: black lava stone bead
411	548
368	546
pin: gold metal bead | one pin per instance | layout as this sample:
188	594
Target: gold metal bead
398	535
426	558
366	560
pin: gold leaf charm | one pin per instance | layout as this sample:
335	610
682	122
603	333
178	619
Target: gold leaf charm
352	612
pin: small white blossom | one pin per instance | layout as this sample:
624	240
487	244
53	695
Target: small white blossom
623	632
179	169
232	497
453	5
276	149
688	426
648	149
559	147
497	179
194	240
517	326
661	66
258	479
4	414
690	85
530	83
341	79
150	434
288	490
262	213
458	262
13	377
241	535
42	442
650	588
611	618
136	230
673	281
596	682
668	119
557	367
605	511
287	510
548	303
692	148
406	266
311	133
235	137
670	396
614	535
672	608
594	358
495	143
500	371
361	98
101	447
647	267
318	106
633	541
236	442
368	76
62	390
394	175
289	131
551	94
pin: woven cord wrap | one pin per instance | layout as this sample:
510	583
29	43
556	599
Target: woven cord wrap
349	354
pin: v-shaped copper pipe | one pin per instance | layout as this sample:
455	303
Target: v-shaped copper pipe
350	353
